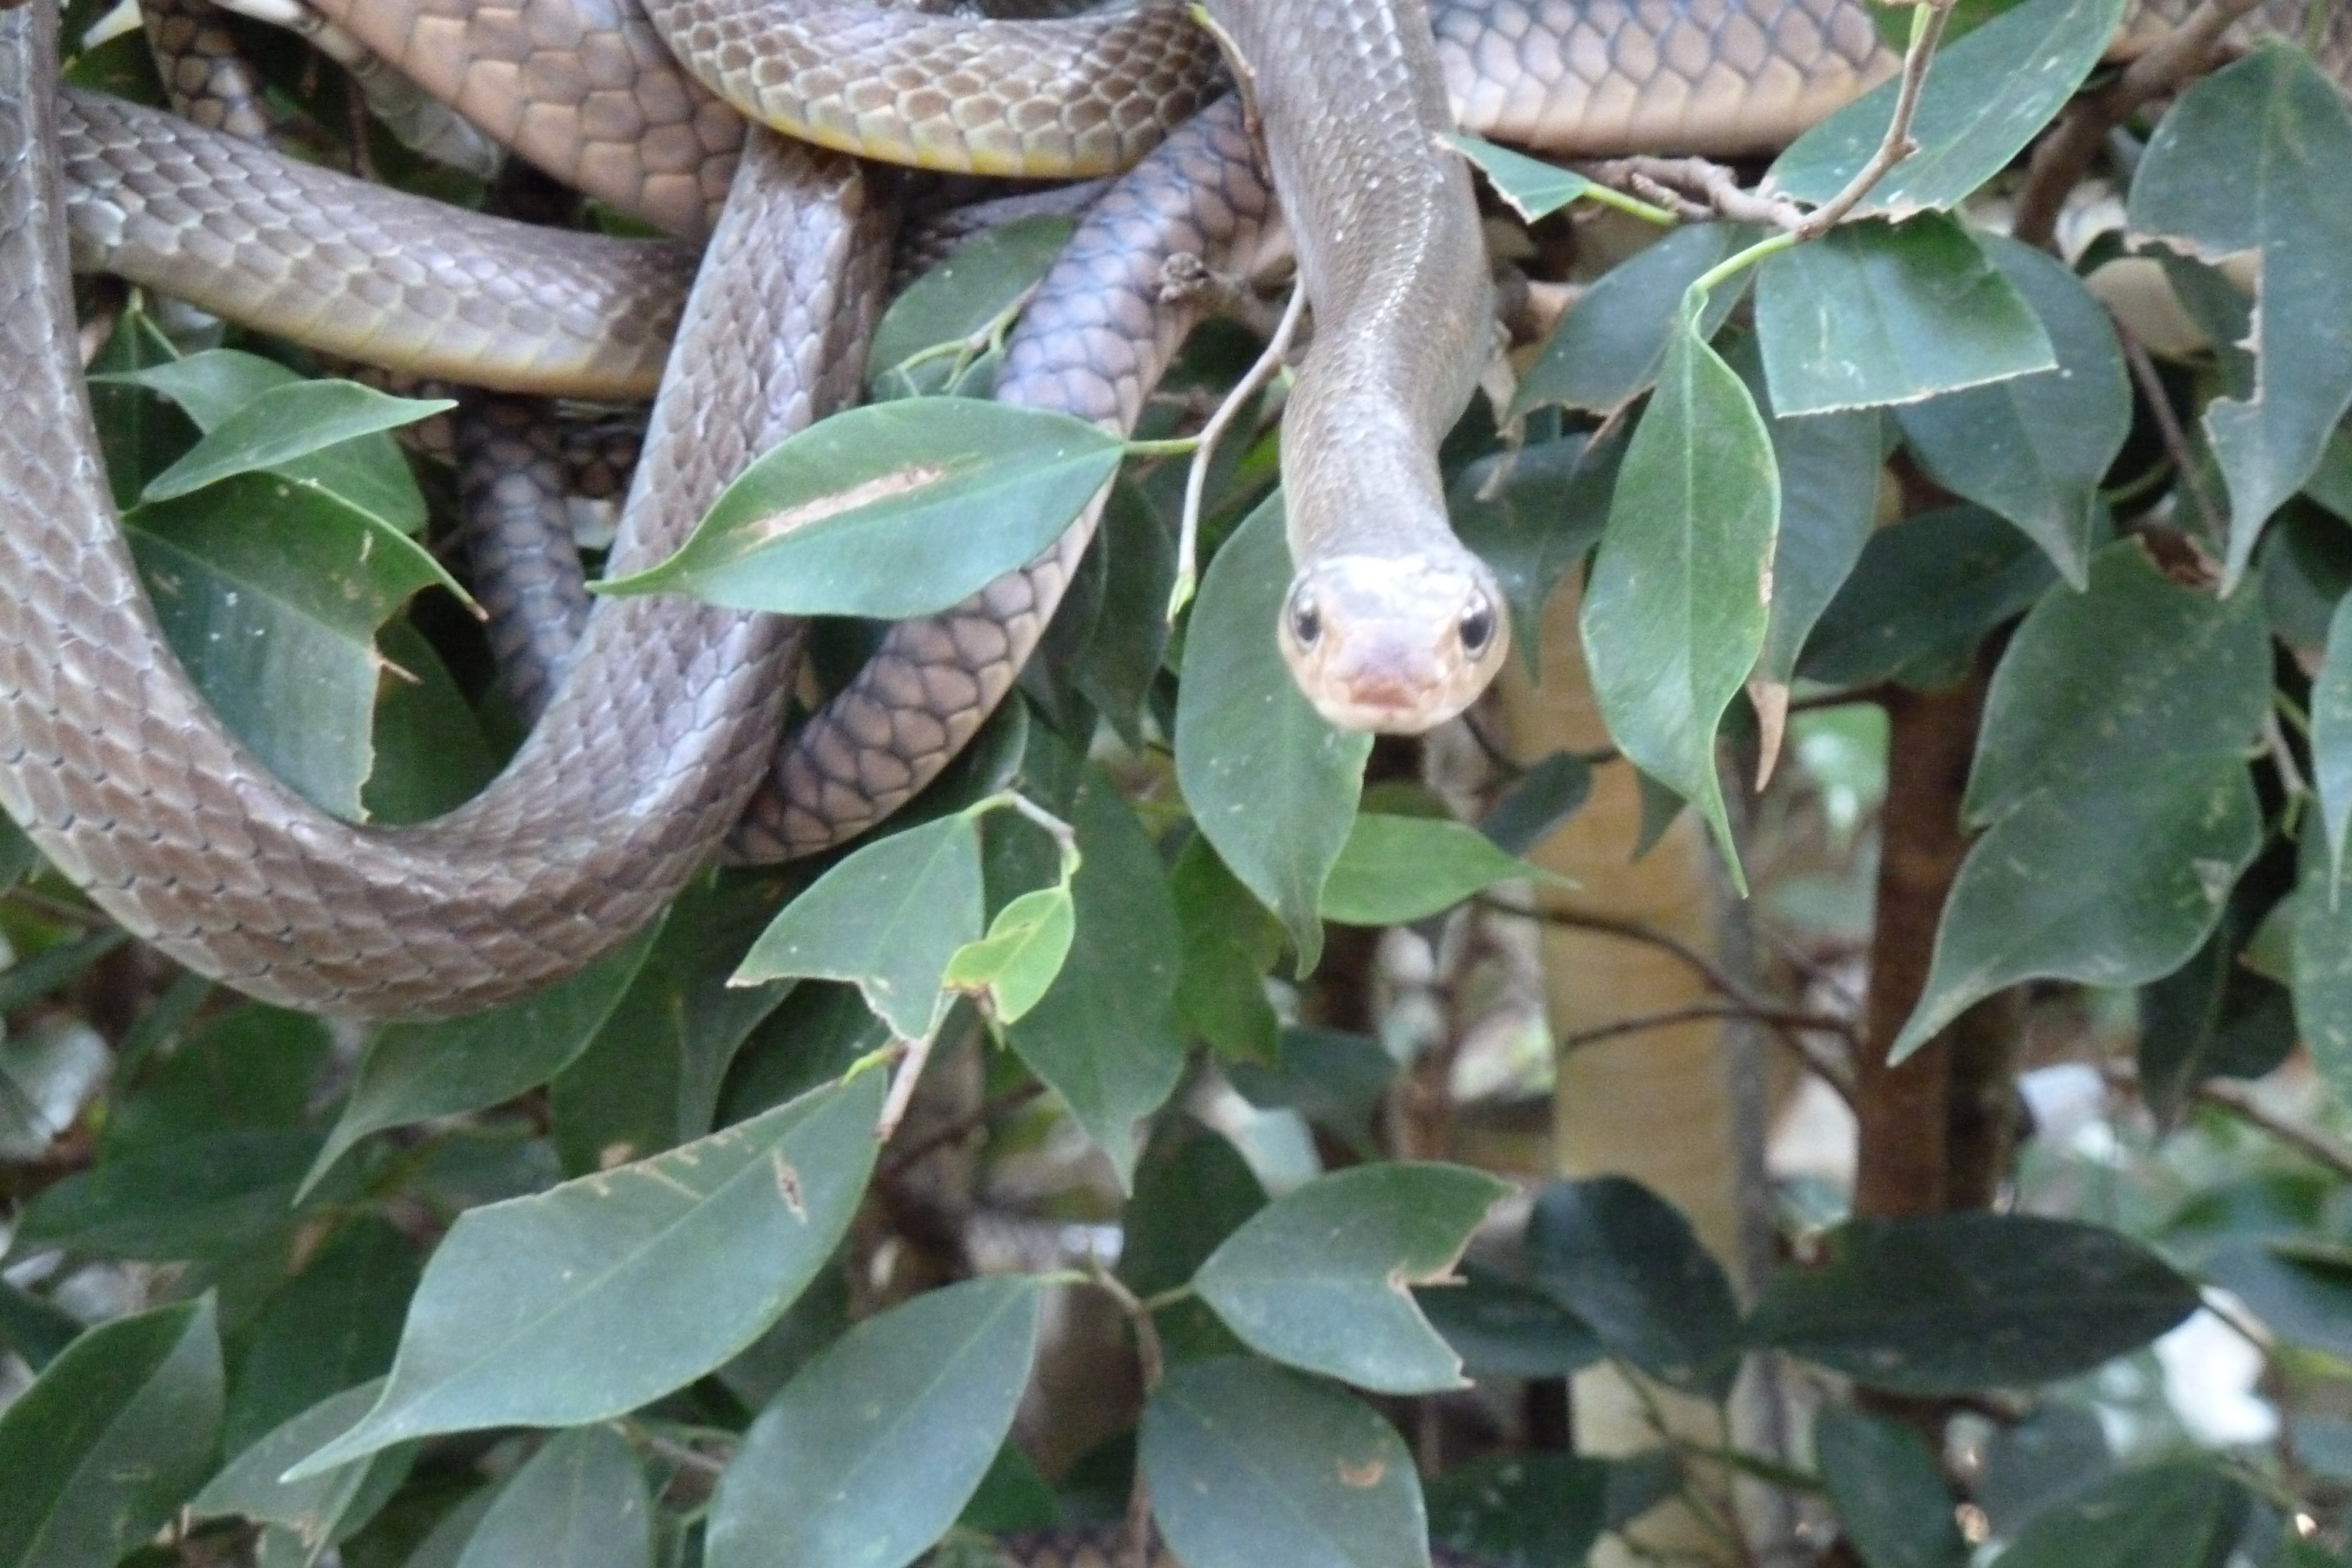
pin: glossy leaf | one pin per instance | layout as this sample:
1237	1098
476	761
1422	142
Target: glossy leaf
2212	1018
868	1455
581	1502
322	1510
2036	448
2185	1515
1947	1303
1501	1328
285	423
888	919
1251	1463
1271	782
1319	1279
686	1257
413	1073
1680	593
1103	1035
891	511
1393	870
1888	1490
1533	189
1925	592
112	1438
2097	686
1627	1263
1230	942
2107	884
1532	515
1192	1190
204	1197
1613	346
961	296
1875	314
329	1328
1985	97
2228	171
2299	1302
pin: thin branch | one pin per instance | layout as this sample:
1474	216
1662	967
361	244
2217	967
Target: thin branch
2169	428
2237	1099
1001	1106
1694	188
1927	28
1697	1012
1196	477
2067	152
902	1083
1151	1360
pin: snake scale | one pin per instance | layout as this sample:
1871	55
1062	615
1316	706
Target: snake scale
654	747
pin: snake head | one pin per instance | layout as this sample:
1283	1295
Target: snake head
1394	644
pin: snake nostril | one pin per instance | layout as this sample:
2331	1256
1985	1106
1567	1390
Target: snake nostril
1477	625
1306	620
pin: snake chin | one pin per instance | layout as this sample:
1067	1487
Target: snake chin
1396	644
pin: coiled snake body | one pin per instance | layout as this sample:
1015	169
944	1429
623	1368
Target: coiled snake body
663	730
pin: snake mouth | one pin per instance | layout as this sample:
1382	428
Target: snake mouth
1392	646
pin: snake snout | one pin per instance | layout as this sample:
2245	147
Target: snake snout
1395	645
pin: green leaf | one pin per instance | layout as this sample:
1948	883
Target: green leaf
1320	1278
961	297
1271	782
2320	924
1521	1511
1874	313
1532	514
204	1197
431	755
2300	1304
2185	1515
322	1510
1501	1328
685	1257
1252	1463
2231	169
413	1073
1231	943
2036	448
581	1502
2135	671
1336	1080
1626	1261
1925	592
1985	97
2106	885
888	511
33	1328
1613	347
1889	1491
1393	871
112	1438
2212	1018
888	919
1192	1190
1947	1303
2331	738
252	1067
868	1455
1680	594
1550	792
1104	1036
332	1326
1010	968
1532	188
283	424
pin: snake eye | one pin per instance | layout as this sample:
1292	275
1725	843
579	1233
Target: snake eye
1306	620
1477	625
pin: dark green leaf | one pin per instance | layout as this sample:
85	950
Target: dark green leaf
34	1329
891	511
28	980
869	1454
1532	515
316	1512
685	1257
2056	1451
431	756
581	1503
1337	1081
1676	608
2319	921
1393	871
1889	1491
332	1326
1192	1190
1535	190
1613	347
1878	314
2036	448
1926	591
1947	1303
112	1438
2300	1304
1501	1328
886	919
252	1068
2230	170
1252	1463
960	298
1231	943
1521	1511
1272	784
413	1073
2186	1514
2331	737
1985	97
2212	1018
1627	1263
204	1197
1318	1278
1547	795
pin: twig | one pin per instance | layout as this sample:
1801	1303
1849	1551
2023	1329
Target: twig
2169	428
2283	754
1196	477
1696	1012
1928	27
2067	152
2237	1099
902	1083
1151	1360
683	1455
903	1160
55	909
1694	188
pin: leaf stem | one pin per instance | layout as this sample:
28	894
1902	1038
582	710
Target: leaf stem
1204	452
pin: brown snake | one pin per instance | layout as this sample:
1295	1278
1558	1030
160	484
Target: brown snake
647	754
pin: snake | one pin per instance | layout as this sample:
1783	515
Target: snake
660	741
